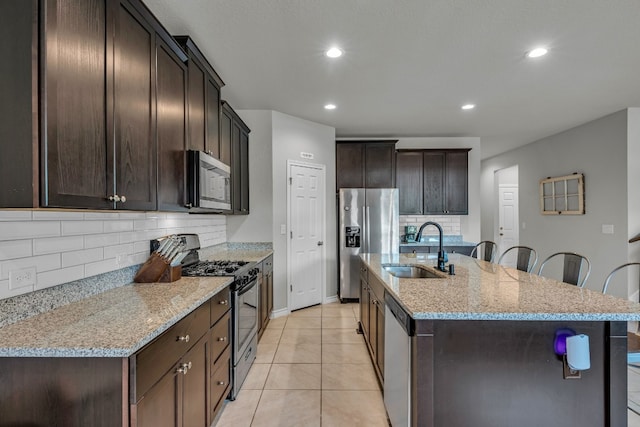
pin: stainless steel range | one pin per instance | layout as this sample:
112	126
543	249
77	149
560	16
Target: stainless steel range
244	303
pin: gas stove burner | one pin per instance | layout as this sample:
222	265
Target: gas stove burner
215	268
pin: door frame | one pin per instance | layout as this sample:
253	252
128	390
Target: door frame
323	267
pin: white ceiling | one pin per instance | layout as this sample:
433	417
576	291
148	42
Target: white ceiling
409	65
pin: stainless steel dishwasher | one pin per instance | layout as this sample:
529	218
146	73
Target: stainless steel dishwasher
397	363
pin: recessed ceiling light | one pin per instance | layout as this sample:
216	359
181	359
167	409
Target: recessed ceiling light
468	106
330	107
537	52
334	52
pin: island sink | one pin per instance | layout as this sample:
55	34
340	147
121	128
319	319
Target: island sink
410	271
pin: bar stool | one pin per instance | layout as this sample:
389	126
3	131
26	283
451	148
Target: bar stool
487	248
572	267
525	256
633	339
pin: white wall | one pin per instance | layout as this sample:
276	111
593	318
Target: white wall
64	246
599	150
286	137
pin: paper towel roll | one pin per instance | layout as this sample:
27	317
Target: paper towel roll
578	356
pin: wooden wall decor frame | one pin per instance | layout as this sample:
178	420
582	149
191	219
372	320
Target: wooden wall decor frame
562	195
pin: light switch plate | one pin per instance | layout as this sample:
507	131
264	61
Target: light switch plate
607	228
283	228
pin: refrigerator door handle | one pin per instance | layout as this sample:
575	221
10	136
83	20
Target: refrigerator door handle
367	228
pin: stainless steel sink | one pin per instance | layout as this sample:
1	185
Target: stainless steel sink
410	271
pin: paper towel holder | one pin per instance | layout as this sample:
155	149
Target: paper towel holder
574	350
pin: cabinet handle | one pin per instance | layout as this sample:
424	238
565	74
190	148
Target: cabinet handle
183	338
220	382
184	368
188	205
114	198
223	302
222	339
123	199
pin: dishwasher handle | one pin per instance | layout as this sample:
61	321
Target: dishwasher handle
400	314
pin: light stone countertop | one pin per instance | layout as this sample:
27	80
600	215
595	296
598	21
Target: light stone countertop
485	291
115	323
251	255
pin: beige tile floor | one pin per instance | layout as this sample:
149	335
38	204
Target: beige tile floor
311	369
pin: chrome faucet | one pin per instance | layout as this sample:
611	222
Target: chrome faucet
441	266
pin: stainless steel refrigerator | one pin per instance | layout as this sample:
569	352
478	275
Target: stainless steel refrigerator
368	223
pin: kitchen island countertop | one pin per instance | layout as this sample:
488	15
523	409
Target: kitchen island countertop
484	291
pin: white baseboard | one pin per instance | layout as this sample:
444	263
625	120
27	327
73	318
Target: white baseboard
331	299
280	313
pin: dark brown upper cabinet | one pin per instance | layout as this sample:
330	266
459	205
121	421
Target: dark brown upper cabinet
105	80
204	101
432	182
236	133
365	164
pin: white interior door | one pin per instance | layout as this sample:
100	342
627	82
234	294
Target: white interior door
508	222
306	234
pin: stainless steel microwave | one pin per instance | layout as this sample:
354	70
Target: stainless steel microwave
208	183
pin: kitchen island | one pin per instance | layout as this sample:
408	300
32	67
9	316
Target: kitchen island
482	346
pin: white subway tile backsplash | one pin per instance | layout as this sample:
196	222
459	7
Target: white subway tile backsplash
56	215
41	263
83	256
15	215
57	244
12	249
100	240
81	227
100	267
58	277
117	226
66	246
117	250
16	230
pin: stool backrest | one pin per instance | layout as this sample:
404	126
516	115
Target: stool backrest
605	287
485	250
526	257
572	268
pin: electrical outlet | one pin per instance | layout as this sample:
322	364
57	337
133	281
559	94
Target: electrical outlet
121	260
283	228
22	278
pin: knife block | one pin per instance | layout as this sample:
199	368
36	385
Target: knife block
157	269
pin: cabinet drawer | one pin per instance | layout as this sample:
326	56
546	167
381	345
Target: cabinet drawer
220	382
220	338
220	304
364	271
157	357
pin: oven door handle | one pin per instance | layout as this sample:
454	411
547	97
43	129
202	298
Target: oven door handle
246	288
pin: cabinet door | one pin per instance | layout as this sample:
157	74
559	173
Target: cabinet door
236	169
133	112
456	193
76	172
269	295
350	165
364	308
409	181
373	325
379	165
226	121
196	106
434	181
213	118
194	389
170	128
244	173
380	348
262	303
159	406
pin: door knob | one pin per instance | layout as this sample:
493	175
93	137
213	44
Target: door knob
320	243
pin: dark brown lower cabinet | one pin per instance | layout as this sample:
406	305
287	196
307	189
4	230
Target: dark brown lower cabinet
266	294
372	318
179	379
